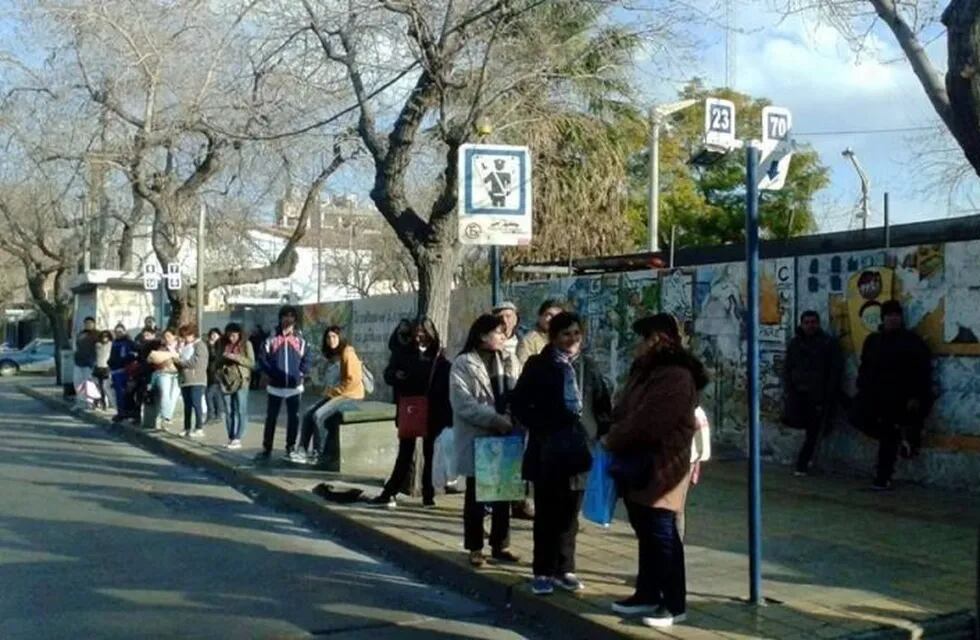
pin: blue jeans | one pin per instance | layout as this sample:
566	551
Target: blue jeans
119	379
236	413
318	428
169	390
214	401
193	402
661	578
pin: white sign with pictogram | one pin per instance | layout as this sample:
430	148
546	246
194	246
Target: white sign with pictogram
151	277
173	277
494	198
719	123
777	152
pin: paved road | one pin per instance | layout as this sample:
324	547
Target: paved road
99	539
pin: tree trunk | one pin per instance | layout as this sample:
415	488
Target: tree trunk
962	20
125	254
59	327
436	266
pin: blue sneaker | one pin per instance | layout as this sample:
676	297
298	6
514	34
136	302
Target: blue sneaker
542	586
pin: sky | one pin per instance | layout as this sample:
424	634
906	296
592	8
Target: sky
810	69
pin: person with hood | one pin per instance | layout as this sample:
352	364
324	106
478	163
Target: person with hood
650	440
285	359
811	380
213	398
122	354
894	390
320	422
480	382
549	401
535	340
421	369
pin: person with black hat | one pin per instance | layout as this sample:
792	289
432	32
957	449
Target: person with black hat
894	390
285	360
653	426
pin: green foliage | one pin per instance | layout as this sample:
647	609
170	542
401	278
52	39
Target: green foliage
707	204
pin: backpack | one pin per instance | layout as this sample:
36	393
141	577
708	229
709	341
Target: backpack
367	379
230	378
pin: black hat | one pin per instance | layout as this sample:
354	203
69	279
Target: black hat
891	307
658	323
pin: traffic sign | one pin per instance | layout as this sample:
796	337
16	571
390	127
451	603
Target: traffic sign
777	151
494	198
173	276
719	123
151	279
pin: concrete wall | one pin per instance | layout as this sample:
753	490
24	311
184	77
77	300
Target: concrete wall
938	284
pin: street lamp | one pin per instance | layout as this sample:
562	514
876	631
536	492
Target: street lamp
865	186
658	114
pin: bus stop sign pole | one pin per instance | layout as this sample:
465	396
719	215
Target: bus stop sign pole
752	159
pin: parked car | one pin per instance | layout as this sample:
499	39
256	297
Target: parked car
36	357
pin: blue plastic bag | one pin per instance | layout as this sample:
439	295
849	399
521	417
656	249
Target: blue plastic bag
498	468
600	490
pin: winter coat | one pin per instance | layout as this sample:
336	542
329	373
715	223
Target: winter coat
425	374
243	358
655	413
193	369
896	367
285	359
351	377
85	349
812	376
540	403
123	352
214	361
531	344
475	407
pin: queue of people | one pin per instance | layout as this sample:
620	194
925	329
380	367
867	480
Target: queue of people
540	386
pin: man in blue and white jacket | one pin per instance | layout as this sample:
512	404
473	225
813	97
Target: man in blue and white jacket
285	360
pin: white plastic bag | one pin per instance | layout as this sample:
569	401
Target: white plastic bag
701	446
444	459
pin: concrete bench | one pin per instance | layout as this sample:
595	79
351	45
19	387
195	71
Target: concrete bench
365	443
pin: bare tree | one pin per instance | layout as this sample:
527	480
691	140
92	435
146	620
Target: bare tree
373	263
421	74
955	95
170	80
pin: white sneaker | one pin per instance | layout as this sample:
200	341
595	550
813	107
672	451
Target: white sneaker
664	618
235	444
197	433
296	456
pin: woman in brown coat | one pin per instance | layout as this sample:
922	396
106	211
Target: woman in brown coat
654	421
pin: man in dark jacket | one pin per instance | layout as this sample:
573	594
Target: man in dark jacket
122	354
811	382
285	360
894	390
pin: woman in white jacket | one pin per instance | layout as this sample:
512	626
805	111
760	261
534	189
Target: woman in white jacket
480	382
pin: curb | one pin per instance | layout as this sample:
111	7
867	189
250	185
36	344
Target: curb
533	610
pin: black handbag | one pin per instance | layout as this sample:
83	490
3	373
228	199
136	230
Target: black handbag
565	453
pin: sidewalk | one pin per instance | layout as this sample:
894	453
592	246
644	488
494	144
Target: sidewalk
840	560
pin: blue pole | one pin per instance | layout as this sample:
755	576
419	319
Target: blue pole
495	275
752	332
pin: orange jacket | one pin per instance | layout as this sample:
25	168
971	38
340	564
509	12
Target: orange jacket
351	377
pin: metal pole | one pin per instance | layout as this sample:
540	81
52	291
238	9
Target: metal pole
865	205
752	279
319	258
495	275
673	240
888	229
653	192
200	266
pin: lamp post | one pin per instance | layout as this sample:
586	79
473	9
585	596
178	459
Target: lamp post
658	115
865	186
